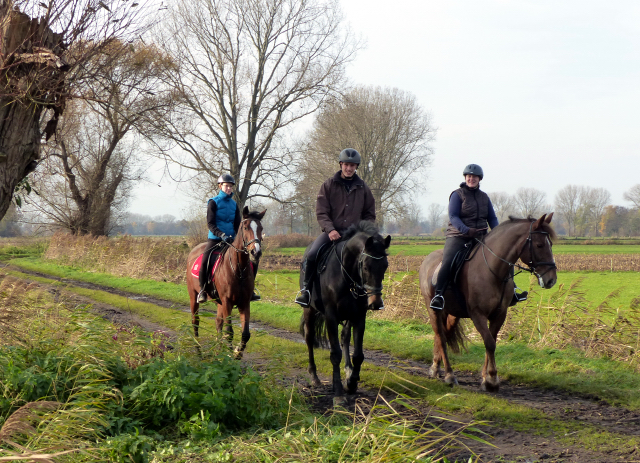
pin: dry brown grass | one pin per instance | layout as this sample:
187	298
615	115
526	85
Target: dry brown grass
569	320
402	299
162	259
292	240
598	262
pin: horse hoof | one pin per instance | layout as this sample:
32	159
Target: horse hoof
315	382
339	401
488	386
434	373
238	354
450	380
352	388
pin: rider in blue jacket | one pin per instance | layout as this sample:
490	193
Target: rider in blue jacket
223	221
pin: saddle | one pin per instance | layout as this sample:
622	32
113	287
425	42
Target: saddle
456	265
216	257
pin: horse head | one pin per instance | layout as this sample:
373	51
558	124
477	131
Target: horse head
373	265
537	252
251	232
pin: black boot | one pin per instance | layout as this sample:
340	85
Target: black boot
202	296
255	297
518	297
437	303
304	295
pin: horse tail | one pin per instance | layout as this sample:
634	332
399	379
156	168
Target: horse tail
320	337
454	335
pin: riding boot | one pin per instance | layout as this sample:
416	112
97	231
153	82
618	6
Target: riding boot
304	295
254	296
202	295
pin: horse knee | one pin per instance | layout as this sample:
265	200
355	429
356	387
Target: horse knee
336	357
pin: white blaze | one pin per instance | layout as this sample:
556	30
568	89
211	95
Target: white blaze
254	227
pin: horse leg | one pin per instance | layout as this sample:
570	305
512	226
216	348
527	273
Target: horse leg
450	333
245	315
345	341
336	357
358	355
438	342
490	381
310	338
222	321
195	308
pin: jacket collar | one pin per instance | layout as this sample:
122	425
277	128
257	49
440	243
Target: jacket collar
464	185
223	195
356	180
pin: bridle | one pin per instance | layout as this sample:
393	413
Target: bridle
244	249
531	265
358	289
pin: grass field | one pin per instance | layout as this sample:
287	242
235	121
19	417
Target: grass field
420	249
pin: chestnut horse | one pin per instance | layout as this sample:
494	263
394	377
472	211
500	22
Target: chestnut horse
349	283
485	283
234	278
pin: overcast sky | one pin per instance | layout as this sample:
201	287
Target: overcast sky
539	93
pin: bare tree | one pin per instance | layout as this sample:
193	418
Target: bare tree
568	203
597	200
503	204
92	160
435	216
633	195
247	70
43	51
390	130
529	201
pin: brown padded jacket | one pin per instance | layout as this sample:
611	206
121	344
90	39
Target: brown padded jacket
337	209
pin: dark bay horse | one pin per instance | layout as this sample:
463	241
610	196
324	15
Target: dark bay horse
349	285
234	278
487	288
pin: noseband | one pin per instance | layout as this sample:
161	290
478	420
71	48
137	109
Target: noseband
245	243
531	265
358	289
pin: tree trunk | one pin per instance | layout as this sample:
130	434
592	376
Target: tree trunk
32	75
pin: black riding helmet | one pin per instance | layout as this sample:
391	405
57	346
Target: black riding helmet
226	178
349	155
473	169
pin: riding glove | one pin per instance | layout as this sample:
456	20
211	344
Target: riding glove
473	232
229	239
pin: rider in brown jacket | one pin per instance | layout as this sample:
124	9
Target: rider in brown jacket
343	200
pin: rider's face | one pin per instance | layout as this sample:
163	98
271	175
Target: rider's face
227	187
472	181
348	169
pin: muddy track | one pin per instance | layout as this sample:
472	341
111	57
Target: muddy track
512	446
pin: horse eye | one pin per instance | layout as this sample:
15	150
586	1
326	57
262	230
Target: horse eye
540	245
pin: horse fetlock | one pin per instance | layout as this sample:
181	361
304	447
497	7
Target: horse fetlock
490	384
434	371
348	371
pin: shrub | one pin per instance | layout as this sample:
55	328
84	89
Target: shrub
292	240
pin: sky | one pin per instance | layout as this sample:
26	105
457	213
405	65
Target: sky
540	93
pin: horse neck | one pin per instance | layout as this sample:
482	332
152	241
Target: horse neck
508	244
239	257
351	254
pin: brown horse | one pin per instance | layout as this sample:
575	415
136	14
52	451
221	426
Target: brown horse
486	285
233	278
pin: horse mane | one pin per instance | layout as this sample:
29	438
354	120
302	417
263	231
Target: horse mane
518	220
364	226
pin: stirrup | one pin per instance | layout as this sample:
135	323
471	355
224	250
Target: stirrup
202	296
301	299
437	303
520	297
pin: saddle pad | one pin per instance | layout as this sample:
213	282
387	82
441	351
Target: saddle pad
195	268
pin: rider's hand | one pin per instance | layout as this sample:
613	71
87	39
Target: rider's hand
334	235
229	239
473	232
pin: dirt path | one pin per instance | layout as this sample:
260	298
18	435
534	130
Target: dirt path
511	446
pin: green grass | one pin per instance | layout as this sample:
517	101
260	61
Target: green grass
596	286
421	249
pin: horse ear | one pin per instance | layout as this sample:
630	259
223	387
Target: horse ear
261	215
387	241
245	212
539	222
369	242
548	219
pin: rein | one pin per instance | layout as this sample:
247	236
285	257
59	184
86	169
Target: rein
244	249
358	290
531	266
